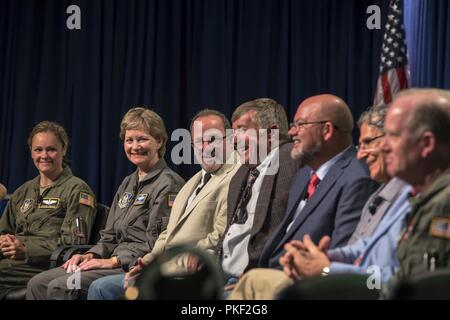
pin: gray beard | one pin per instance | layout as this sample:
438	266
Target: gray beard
306	156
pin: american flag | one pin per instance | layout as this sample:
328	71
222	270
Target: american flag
394	69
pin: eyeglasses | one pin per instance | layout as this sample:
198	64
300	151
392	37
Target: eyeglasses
365	143
300	125
213	140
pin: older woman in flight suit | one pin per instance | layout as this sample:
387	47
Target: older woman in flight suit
42	213
139	213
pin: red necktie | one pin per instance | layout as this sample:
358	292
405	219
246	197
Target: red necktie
313	182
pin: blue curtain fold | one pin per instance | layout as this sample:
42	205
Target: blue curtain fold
428	31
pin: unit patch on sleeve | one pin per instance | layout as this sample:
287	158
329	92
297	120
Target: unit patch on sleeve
171	199
440	227
87	199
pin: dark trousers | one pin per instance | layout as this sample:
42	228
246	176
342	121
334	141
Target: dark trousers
15	274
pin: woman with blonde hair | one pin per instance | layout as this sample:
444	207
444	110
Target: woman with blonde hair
139	212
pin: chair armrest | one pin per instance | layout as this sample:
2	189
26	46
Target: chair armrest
18	293
56	259
63	253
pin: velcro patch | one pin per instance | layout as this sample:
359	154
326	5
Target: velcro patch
440	227
140	199
171	199
125	200
87	199
26	205
49	203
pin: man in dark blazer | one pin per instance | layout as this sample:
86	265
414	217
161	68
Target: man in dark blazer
271	203
327	195
261	138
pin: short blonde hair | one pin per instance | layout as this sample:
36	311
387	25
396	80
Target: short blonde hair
53	127
140	118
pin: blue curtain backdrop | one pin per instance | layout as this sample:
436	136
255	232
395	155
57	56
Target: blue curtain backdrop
177	56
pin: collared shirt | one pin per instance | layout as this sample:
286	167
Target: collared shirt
376	253
375	208
321	173
235	243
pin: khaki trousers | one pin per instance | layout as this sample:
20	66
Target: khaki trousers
260	284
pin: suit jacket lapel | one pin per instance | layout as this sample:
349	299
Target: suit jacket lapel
321	191
263	203
296	192
385	225
311	204
207	189
383	228
235	194
194	181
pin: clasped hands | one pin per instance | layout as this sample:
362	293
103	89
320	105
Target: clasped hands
305	259
12	248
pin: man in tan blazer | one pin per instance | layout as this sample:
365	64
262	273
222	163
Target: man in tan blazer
199	213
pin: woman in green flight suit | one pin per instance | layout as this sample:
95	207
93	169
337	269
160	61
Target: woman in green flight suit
42	213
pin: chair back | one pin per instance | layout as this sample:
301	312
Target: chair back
331	287
208	283
3	204
99	222
427	286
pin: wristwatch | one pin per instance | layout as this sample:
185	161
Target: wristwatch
116	261
325	271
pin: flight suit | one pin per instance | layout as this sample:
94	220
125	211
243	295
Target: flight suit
42	221
425	244
139	213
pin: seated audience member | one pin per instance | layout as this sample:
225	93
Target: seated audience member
258	192
371	137
139	212
377	233
417	150
328	193
198	215
40	214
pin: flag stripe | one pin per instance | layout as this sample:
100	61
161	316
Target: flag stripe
386	88
402	78
393	82
394	70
